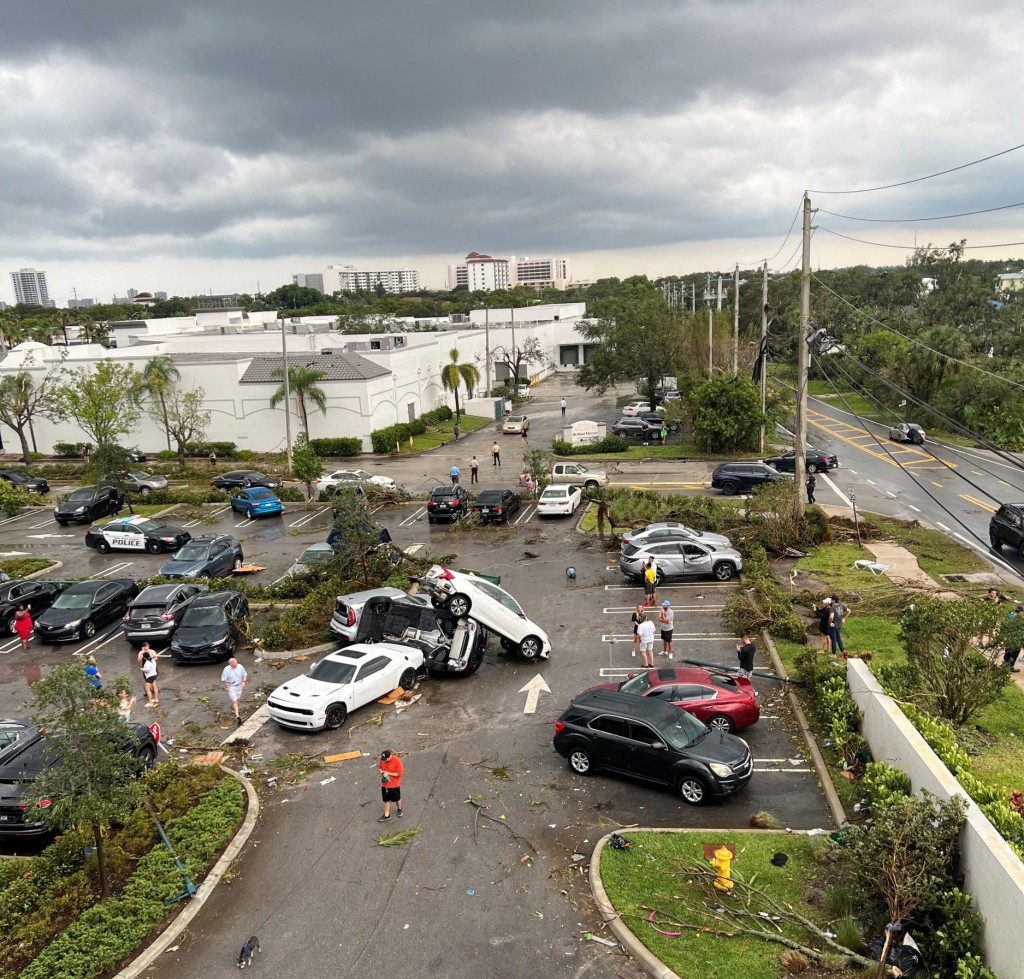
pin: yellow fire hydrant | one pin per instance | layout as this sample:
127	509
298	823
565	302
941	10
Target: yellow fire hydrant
721	862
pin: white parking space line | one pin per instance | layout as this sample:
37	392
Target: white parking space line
97	642
213	513
10	647
417	513
413	548
677	637
14	553
39	526
250	726
781	771
914	508
34	512
524	517
306	519
114	569
627	609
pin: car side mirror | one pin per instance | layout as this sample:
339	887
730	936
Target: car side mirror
658	745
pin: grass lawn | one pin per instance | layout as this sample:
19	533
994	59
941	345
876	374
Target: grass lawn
18	567
645	877
444	433
935	551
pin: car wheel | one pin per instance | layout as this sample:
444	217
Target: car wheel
812	467
993	536
408	679
580	761
1020	550
474	663
693	789
721	722
917	440
459	605
590	484
237	563
729	488
9	627
205	575
102	547
724	571
530	647
88	629
154	546
249	515
508	645
145	491
430	519
147	756
335	716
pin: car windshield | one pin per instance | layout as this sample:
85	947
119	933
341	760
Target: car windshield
135	474
73	600
553	492
515	419
17	477
638	684
205	615
498	595
630	549
80	496
193	552
315	555
331	671
260	494
684	730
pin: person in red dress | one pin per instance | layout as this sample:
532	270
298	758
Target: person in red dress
23	626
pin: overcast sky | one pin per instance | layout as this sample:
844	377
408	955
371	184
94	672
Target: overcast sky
196	147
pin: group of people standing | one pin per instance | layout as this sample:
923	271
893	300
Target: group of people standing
832	617
643	632
1013	629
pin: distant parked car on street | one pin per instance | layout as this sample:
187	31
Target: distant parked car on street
815	461
908	432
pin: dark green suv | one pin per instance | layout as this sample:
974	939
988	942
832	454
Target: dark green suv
1007	527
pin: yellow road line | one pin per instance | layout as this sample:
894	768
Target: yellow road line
976	502
812	417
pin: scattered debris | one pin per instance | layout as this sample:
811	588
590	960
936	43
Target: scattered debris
344	756
210	758
591	937
327	781
398	839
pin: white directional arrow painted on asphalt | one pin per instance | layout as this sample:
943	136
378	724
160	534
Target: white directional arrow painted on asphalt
14	553
49	536
533	691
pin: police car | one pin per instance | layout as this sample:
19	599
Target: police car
136	534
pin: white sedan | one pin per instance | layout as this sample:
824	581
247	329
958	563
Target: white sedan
635	408
559	501
323	698
492	606
339	479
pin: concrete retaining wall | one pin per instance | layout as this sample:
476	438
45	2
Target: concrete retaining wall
993	874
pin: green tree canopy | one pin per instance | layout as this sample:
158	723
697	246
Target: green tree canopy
725	414
454	374
20	401
105	400
302	384
187	420
158	376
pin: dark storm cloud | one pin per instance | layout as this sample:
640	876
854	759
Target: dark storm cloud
251	128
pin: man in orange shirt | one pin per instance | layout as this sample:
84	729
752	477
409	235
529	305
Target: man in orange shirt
391	770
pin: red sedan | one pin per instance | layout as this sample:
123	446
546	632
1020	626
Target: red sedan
721	700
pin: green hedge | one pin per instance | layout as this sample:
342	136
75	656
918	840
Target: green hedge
104	934
226	449
336	447
610	443
68	450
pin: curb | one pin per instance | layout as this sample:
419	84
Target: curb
324	647
827	785
182	921
44	572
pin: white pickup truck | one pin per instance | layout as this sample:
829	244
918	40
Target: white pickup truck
578	475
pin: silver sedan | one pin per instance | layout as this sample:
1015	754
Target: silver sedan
144	483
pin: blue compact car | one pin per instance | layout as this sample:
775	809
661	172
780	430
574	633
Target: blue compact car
257	501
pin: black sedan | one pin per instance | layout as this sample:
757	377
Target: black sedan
635	428
36	596
814	461
25	481
496	505
447	503
243	479
80	610
30	754
136	534
89	504
211	628
158	611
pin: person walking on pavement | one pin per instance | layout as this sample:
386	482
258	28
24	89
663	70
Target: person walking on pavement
650	582
667	620
455	431
474	471
234	678
23	625
526	436
636	618
840	613
496	455
646	633
213	458
746	650
564	406
391	771
810	483
147	660
454	473
825	623
92	673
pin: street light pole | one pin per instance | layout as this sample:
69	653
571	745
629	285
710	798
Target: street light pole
763	352
736	320
803	358
287	397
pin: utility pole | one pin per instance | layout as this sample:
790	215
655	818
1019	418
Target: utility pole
736	319
711	331
763	352
287	397
719	292
515	360
803	360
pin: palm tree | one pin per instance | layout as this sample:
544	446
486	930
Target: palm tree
454	374
158	376
302	382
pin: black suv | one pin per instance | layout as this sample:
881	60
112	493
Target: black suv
1007	527
205	557
741	477
243	479
87	505
635	428
447	503
653	741
814	461
156	612
211	628
21	479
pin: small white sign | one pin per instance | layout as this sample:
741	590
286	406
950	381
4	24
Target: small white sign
584	433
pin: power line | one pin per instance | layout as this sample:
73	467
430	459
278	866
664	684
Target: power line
792	225
914	340
915	180
940	217
914	247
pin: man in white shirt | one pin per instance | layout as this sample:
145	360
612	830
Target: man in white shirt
645	630
234	678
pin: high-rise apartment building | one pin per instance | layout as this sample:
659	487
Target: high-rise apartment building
487	274
347	278
30	288
309	281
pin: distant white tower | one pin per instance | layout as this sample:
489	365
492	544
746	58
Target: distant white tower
30	287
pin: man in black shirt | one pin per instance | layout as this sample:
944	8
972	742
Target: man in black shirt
746	650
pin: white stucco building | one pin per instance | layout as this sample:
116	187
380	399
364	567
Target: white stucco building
370	380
